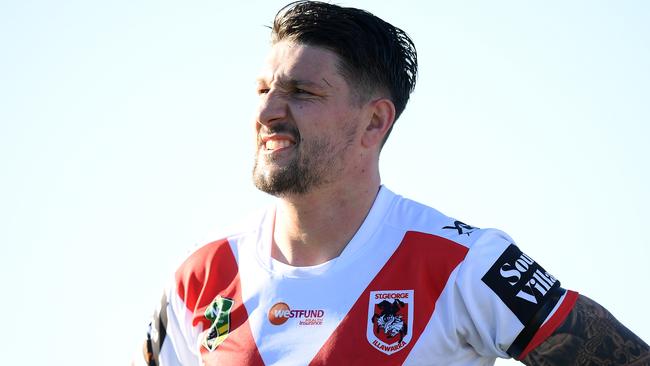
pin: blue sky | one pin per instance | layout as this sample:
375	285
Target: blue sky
125	140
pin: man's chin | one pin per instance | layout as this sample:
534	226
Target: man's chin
278	191
279	184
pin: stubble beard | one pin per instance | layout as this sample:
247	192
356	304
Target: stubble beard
314	165
301	175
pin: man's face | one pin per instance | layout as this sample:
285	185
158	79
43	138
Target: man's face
307	123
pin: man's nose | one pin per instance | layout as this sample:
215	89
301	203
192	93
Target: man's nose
272	108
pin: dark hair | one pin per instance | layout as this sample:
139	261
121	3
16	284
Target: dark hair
375	56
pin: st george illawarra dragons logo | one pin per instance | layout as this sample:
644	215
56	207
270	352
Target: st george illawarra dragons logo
390	320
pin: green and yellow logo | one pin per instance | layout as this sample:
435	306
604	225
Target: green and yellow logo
218	313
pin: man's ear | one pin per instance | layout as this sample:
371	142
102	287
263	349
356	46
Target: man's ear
381	120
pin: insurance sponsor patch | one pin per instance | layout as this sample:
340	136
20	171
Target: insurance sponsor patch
280	312
521	283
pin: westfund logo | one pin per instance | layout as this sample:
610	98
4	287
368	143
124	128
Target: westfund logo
520	282
280	313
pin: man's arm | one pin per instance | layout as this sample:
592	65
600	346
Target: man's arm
590	335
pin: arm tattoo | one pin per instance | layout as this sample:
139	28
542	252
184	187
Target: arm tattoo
590	335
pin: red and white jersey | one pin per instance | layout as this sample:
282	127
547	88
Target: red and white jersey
412	287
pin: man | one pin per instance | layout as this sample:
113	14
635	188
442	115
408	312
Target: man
343	271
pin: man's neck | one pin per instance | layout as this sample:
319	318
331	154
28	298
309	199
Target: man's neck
315	228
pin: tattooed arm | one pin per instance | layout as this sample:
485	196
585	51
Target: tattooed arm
590	335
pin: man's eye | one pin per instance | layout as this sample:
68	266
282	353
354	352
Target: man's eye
262	90
302	91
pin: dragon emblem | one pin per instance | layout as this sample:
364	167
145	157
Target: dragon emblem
389	320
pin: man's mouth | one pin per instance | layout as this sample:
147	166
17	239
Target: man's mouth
278	138
276	142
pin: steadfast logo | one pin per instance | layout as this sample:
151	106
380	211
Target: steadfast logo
520	282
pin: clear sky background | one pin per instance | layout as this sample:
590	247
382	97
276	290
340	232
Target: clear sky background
126	140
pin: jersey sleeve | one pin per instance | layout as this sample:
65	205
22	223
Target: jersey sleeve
178	331
170	336
511	304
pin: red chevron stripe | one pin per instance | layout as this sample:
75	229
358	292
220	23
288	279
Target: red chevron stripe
211	271
422	263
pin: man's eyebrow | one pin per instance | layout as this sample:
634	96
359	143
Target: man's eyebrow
296	83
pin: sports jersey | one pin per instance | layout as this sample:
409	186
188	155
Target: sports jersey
412	287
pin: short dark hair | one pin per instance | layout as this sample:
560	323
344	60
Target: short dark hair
375	55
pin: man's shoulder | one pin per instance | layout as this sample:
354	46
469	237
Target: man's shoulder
218	253
411	215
